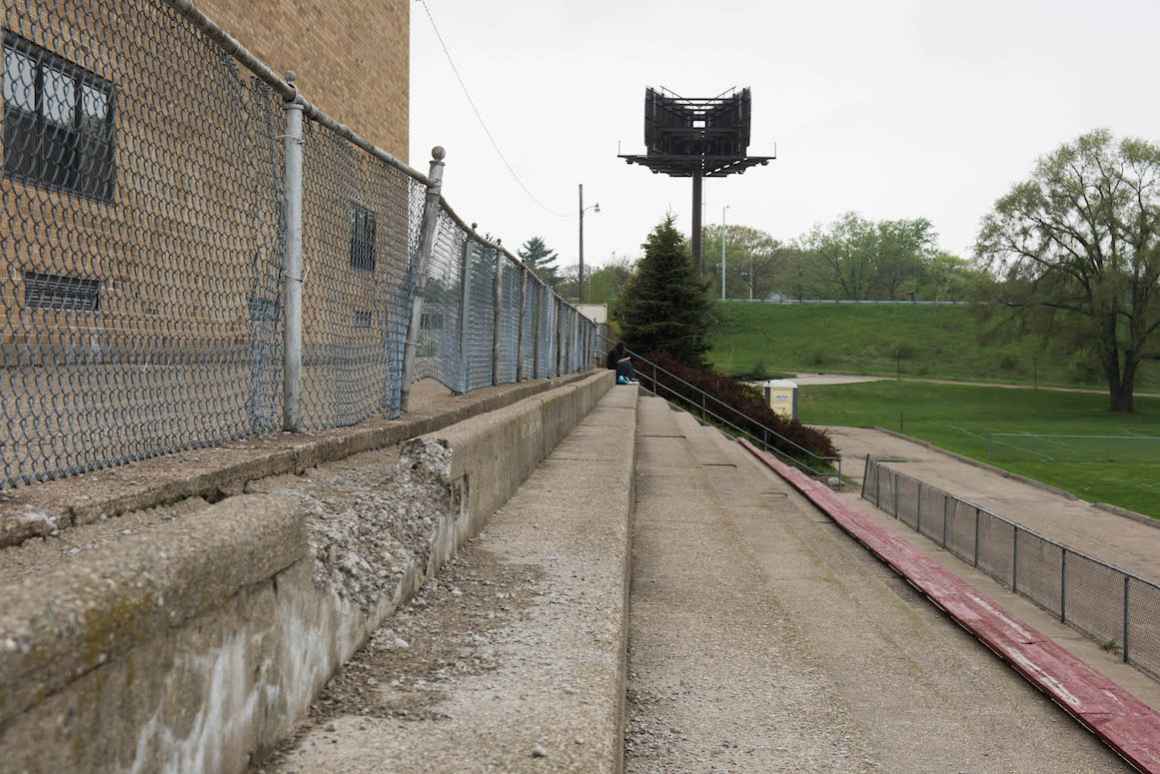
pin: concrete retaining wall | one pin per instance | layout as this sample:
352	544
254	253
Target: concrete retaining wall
195	644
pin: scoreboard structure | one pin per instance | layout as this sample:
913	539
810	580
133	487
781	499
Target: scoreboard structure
697	137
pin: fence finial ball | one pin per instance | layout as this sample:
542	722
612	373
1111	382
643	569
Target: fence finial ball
291	76
438	153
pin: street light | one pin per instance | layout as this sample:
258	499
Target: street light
723	251
583	209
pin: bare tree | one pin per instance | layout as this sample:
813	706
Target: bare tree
1077	244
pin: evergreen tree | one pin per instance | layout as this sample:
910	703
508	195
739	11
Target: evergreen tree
540	260
665	307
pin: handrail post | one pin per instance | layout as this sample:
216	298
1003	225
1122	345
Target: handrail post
292	276
431	205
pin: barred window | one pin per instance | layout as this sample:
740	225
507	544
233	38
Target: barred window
362	239
61	292
58	122
361	318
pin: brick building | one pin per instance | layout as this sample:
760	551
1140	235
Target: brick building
139	232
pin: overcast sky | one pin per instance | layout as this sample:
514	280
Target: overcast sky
892	108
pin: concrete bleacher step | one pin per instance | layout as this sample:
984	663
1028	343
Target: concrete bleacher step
514	659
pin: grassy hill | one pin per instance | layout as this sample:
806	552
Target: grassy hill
939	342
1069	440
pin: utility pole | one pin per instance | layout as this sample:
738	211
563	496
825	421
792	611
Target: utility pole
723	208
583	209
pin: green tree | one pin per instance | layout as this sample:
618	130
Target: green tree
540	260
1077	245
864	259
665	307
753	259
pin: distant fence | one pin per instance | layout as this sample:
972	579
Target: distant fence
841	301
193	253
1118	609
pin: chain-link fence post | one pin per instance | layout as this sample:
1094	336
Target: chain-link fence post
537	323
894	480
1063	586
1127	614
431	206
918	509
975	558
947	517
464	299
292	268
497	311
865	470
520	333
1015	559
559	335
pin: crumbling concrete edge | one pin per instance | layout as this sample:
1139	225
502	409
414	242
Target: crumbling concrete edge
55	506
220	611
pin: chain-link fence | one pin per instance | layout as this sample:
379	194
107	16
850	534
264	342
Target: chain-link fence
1118	609
155	196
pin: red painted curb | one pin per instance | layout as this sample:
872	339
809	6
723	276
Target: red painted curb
1119	719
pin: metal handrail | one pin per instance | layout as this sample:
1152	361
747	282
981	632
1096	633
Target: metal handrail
715	399
788	459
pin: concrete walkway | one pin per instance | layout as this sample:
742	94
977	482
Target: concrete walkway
513	659
763	639
1075	523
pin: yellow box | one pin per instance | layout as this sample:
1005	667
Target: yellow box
782	397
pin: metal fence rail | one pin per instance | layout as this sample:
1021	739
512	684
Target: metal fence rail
194	253
1113	606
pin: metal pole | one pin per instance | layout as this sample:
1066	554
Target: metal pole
1127	587
894	478
464	297
1015	559
419	270
947	517
1063	587
698	256
520	330
292	271
725	207
878	488
580	278
497	304
865	471
559	334
537	319
975	561
918	509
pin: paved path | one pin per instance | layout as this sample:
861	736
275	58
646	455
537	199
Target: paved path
1075	523
763	639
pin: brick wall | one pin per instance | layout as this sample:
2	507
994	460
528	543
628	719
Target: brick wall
351	56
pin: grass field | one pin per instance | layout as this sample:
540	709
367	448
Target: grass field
1068	440
934	341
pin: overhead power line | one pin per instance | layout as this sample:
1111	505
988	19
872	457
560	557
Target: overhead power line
479	117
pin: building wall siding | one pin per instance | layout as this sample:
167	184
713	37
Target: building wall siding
352	57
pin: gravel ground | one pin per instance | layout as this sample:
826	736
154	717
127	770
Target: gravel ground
453	627
512	659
